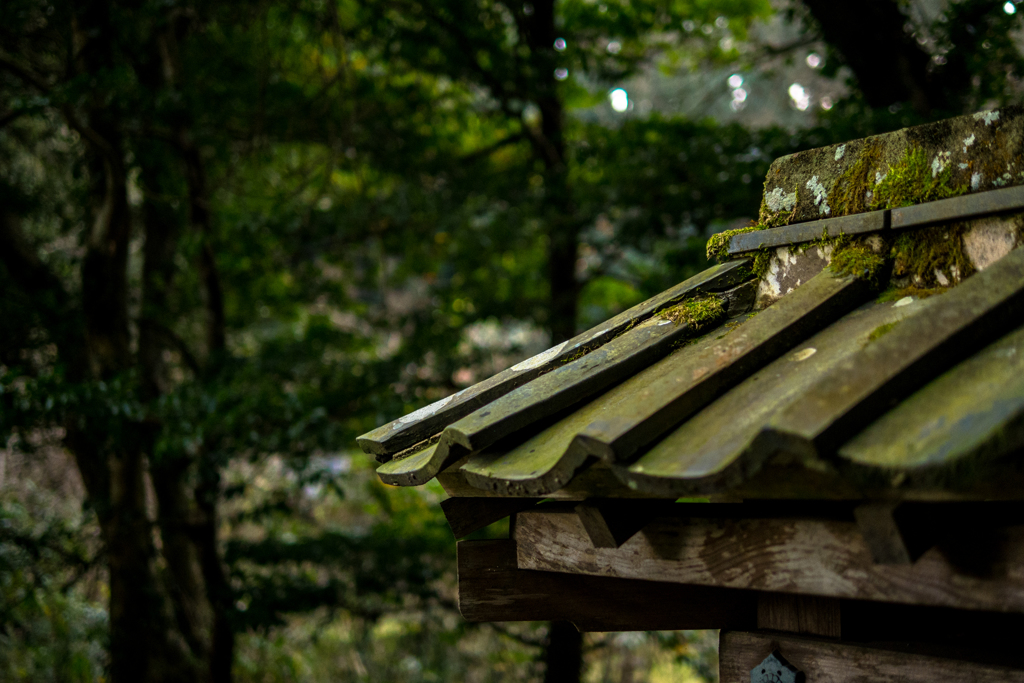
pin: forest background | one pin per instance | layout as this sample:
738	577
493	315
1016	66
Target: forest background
234	235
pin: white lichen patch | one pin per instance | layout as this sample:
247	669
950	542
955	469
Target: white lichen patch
779	200
425	411
539	359
840	151
941	278
905	301
962	166
770	282
804	354
788	269
1001	181
820	193
879	177
968	142
987	116
976	179
939	163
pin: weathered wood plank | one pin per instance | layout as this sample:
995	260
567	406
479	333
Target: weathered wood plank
466	515
855	392
824	557
637	417
628	417
546	461
974	412
591	481
416	468
874	221
959	208
831	662
409	430
546	395
724	443
622	357
492	588
800	614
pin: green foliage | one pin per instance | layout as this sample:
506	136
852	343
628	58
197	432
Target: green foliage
975	42
49	629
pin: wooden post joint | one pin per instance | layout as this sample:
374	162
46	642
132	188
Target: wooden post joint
609	524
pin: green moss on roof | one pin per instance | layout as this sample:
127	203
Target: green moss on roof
882	330
698	312
718	244
897	293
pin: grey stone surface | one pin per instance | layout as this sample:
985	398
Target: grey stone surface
990	239
982	150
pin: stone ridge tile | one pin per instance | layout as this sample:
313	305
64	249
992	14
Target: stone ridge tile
983	151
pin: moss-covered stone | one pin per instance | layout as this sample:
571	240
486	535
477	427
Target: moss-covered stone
851	192
858	260
969	153
915	180
931	257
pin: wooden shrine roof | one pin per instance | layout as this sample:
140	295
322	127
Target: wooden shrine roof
796	383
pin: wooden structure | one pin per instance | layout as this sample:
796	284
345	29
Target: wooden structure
832	477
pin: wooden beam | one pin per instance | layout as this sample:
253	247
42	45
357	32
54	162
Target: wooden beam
825	557
800	614
822	660
466	515
492	588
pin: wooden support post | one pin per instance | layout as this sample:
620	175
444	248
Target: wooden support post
466	515
493	588
609	524
900	533
877	523
822	660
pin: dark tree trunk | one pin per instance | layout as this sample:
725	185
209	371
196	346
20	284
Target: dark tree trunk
889	64
146	643
549	144
563	657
